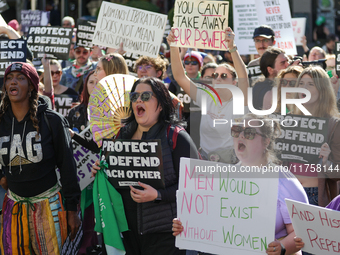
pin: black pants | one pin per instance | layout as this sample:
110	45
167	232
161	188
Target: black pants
150	244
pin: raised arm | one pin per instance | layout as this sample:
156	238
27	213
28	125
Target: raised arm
178	69
240	67
47	76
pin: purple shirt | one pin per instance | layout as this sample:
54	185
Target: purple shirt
334	204
289	187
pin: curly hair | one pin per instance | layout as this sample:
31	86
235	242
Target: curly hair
158	63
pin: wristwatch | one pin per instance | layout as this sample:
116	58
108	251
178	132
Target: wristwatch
283	249
233	49
159	197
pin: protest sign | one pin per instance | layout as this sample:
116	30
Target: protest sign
254	71
317	226
33	18
130	59
137	29
2	21
53	41
63	103
276	14
200	24
11	51
131	161
299	27
85	30
84	160
301	138
224	211
245	22
337	58
3	6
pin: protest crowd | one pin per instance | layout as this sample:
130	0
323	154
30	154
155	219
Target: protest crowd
128	135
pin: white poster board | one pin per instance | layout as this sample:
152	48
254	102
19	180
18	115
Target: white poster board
245	22
276	14
84	159
317	226
299	28
140	31
225	212
201	24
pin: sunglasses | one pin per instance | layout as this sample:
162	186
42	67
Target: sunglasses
144	96
56	72
263	40
85	52
284	83
194	62
144	67
223	76
249	132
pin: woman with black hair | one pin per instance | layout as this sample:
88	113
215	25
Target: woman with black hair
149	211
34	140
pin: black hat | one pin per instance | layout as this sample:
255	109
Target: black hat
265	31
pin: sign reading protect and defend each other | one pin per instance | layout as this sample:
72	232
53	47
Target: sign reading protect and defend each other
53	41
131	161
11	51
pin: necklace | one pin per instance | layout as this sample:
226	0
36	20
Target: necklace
220	108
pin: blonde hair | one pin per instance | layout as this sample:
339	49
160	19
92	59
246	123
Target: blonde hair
327	106
114	63
296	70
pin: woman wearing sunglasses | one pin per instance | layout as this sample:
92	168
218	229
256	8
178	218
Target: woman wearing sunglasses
254	146
286	78
215	140
152	113
56	73
320	191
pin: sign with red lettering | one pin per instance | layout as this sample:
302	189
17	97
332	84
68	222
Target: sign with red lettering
201	24
317	226
276	13
224	210
299	27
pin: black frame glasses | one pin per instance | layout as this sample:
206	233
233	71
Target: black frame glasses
144	96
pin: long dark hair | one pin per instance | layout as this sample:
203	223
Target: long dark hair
167	115
33	104
85	94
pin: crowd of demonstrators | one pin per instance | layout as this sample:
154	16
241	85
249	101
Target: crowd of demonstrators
155	105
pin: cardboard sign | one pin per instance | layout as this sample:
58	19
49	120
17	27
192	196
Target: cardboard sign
3	6
276	14
84	160
63	103
85	31
301	138
139	30
33	18
224	211
245	22
53	41
337	58
254	71
131	161
201	24
11	51
299	28
318	227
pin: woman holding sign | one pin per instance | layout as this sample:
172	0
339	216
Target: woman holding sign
34	141
216	141
149	212
254	146
319	189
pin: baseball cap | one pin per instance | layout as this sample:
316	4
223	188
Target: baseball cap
26	69
77	46
265	31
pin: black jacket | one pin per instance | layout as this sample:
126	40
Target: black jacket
29	163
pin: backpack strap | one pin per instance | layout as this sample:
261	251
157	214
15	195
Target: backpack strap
172	134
